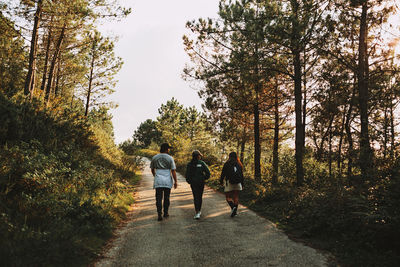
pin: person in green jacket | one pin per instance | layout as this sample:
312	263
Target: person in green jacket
196	174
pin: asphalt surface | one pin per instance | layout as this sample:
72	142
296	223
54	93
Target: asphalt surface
214	240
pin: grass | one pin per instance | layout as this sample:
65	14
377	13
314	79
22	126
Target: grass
121	207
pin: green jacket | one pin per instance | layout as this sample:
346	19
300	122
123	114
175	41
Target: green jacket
197	172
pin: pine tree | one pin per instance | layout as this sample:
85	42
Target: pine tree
103	66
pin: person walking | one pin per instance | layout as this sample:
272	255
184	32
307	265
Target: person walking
232	179
164	170
196	174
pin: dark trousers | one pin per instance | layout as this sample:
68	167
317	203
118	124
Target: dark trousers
160	193
197	190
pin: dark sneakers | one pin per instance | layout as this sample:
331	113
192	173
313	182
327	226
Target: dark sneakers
234	211
230	203
160	217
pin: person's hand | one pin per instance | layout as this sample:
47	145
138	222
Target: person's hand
175	185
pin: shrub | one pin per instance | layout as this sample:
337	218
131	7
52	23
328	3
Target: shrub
63	186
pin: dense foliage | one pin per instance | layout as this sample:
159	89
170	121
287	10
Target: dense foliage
358	226
64	184
186	129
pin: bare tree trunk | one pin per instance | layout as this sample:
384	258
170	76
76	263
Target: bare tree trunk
339	156
299	138
365	149
90	81
256	113
392	131
30	77
243	144
57	85
304	97
52	89
330	152
53	64
275	152
46	59
385	131
350	152
257	147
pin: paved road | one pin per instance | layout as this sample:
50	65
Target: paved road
214	240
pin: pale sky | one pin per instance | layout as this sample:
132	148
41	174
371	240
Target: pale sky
150	44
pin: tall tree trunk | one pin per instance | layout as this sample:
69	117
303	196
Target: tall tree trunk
299	138
243	144
257	146
256	113
52	89
330	152
304	96
385	131
53	63
365	149
46	59
90	80
275	152
30	77
392	131
350	152
339	156
57	85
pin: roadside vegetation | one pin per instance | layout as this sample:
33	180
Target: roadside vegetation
357	225
64	184
307	94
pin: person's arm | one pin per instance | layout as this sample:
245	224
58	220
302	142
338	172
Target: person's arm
221	179
152	167
188	174
206	171
175	179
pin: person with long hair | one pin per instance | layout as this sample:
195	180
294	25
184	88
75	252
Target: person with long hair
196	174
232	179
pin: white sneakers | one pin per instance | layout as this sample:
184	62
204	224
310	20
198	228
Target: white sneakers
197	215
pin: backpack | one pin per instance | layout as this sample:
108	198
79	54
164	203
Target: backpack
194	171
235	174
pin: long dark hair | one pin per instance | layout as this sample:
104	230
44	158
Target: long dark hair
234	158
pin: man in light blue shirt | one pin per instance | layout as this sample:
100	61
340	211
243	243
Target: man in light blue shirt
164	170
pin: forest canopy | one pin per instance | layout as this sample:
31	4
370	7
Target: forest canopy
307	93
